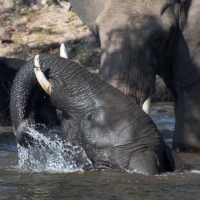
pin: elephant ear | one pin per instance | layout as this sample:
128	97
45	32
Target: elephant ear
10	66
88	11
187	57
186	68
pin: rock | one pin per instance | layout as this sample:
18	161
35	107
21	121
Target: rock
43	2
35	29
36	7
33	45
23	10
67	20
54	8
60	39
93	71
62	6
66	5
5	35
10	28
6	4
79	23
30	9
2	18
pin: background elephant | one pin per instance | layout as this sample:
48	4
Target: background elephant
112	129
140	39
40	103
8	69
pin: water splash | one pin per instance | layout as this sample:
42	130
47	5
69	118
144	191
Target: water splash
51	155
195	171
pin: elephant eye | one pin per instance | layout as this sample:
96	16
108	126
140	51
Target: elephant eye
153	45
89	117
156	41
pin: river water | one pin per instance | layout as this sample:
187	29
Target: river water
47	174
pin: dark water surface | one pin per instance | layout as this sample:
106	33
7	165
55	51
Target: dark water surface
49	183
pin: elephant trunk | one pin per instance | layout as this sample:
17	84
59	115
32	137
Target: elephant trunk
22	96
23	102
20	103
129	71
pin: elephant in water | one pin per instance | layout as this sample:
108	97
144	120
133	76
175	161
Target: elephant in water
142	38
8	70
112	129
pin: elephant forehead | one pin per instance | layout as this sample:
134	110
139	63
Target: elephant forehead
116	26
138	7
126	15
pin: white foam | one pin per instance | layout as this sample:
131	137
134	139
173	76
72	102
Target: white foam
51	155
194	171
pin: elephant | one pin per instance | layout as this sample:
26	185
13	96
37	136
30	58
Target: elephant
140	39
8	70
114	131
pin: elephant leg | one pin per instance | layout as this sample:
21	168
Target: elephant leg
187	113
4	112
4	103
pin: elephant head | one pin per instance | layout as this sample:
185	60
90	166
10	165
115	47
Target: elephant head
112	129
140	39
137	40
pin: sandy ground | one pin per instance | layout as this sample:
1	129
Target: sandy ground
41	29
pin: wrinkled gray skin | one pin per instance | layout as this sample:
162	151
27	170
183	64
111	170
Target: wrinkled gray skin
112	129
8	70
140	39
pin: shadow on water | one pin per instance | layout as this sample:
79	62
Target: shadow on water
50	174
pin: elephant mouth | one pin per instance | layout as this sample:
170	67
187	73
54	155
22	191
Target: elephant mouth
105	165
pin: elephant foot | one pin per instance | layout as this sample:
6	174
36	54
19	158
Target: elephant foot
185	147
179	147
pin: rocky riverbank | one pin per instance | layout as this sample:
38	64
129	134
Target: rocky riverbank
28	28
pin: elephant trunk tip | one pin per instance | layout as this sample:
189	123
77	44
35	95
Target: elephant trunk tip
23	139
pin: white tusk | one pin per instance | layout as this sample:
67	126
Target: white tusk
45	84
146	105
63	52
